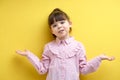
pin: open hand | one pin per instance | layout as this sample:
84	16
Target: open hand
109	58
23	53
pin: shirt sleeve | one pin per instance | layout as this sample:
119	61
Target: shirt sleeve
88	66
40	65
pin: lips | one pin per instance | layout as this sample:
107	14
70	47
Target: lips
60	31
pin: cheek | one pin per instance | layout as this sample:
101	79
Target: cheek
53	31
67	28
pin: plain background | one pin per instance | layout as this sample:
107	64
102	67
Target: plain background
23	25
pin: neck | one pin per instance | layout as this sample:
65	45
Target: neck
63	38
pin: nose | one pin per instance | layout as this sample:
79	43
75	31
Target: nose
59	25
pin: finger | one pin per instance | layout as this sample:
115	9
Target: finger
111	58
18	51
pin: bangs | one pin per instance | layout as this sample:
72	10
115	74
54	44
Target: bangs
56	17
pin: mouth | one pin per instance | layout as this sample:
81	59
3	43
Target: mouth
60	31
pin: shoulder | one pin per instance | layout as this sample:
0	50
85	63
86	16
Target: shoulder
47	48
50	43
79	43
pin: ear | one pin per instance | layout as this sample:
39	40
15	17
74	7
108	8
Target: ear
70	23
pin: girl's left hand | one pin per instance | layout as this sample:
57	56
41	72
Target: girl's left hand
109	58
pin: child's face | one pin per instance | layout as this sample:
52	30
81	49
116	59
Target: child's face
61	29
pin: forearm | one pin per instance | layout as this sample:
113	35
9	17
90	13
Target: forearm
90	66
36	63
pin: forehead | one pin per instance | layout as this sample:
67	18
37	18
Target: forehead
57	22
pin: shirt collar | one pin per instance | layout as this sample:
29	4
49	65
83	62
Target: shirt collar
65	41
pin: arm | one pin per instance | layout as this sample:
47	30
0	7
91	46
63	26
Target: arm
40	65
92	65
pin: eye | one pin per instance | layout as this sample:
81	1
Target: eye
62	22
54	25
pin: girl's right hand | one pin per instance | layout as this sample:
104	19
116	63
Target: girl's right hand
23	53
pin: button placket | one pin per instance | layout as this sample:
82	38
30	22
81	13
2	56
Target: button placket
62	69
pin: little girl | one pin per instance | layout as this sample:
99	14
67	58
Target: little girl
63	58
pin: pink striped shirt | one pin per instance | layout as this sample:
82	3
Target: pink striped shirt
64	60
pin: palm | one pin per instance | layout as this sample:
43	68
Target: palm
23	53
104	57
